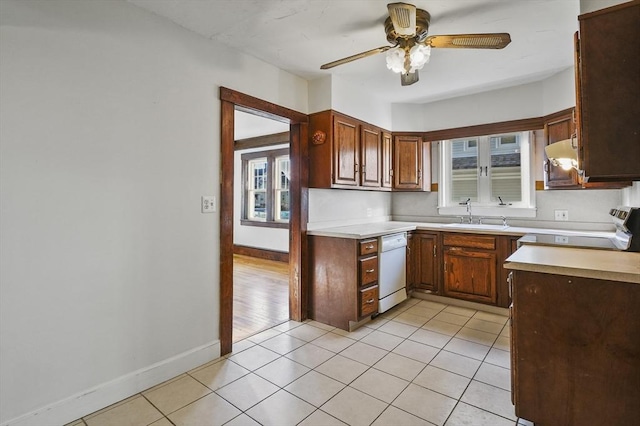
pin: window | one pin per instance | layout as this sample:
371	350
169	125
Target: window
266	188
491	171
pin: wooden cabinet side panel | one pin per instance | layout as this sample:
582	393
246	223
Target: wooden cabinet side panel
320	155
577	350
333	280
609	92
507	245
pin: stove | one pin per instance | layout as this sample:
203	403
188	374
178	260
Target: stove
627	221
627	236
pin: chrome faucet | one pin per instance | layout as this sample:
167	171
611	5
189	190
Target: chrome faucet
468	203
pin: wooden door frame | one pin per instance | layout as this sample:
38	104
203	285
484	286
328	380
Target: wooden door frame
298	192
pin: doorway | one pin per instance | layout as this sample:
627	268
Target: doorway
230	102
261	224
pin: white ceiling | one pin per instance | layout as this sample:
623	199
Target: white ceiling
300	35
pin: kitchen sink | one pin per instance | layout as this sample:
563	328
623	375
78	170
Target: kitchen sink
477	226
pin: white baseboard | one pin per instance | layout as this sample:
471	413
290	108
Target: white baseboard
105	394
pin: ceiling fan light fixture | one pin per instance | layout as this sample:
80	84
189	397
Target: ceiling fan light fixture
419	55
395	59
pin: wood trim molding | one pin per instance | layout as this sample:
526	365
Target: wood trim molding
484	129
262	108
260	253
262	141
560	115
231	101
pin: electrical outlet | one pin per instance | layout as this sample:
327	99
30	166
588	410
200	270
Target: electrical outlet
369	212
208	203
562	215
561	239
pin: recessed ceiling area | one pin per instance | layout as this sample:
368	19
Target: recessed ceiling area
299	36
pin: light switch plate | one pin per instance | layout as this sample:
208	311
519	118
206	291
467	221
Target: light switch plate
208	203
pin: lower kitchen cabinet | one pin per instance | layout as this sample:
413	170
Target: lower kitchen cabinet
343	280
575	350
426	270
470	265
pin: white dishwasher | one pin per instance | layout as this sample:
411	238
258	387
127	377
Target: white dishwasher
392	278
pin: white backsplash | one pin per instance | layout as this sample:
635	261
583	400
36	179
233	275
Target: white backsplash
338	207
588	209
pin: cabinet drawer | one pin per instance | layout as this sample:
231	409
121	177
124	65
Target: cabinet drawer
368	247
472	241
368	301
368	270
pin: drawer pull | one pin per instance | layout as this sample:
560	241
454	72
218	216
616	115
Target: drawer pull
368	271
369	247
370	301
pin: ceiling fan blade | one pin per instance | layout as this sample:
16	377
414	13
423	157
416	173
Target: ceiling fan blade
403	17
409	78
470	41
355	57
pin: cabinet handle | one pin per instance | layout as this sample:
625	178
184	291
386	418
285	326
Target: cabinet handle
510	281
445	266
419	173
370	301
434	251
368	271
369	247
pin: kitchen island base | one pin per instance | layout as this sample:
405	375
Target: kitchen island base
575	350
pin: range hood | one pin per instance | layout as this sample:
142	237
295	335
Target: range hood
563	154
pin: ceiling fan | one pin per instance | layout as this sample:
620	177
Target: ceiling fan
407	27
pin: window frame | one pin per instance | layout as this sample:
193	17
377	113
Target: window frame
486	207
271	155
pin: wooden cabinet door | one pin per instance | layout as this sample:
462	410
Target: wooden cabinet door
370	152
608	93
346	150
387	165
470	274
426	269
556	130
407	162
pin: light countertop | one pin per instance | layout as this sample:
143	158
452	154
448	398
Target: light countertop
577	262
376	229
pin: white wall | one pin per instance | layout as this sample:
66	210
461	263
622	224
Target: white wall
588	209
339	207
512	103
110	134
558	92
587	6
320	94
361	104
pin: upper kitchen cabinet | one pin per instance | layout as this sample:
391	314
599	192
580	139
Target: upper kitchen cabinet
559	127
344	152
411	163
608	89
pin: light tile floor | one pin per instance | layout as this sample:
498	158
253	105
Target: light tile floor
421	363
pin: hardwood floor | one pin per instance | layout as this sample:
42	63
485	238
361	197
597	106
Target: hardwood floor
260	295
